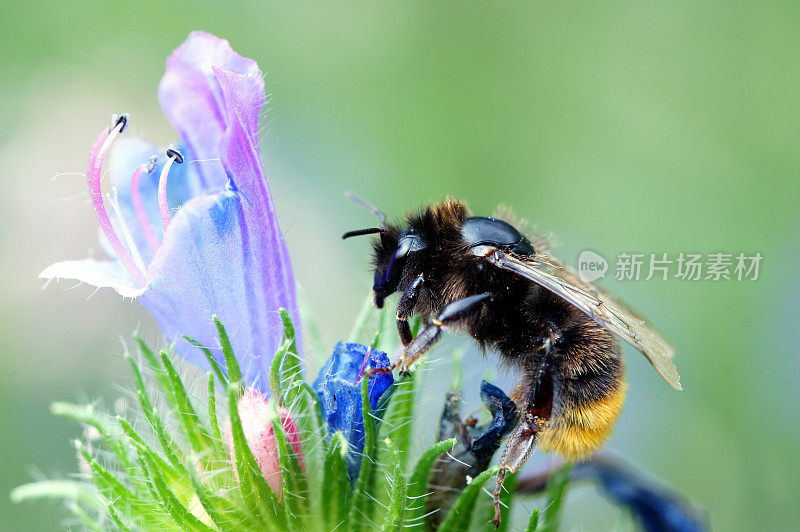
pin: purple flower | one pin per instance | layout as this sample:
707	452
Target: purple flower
655	507
475	447
339	390
200	238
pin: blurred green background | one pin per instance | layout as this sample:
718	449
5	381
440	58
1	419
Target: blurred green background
620	127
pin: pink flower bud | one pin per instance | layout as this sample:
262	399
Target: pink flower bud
254	413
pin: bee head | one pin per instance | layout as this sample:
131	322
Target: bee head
391	254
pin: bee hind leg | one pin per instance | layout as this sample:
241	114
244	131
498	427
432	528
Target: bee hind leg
453	313
516	452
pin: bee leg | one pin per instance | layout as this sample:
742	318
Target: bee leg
405	307
453	313
516	452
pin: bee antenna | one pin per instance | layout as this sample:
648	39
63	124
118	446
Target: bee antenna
367	231
367	205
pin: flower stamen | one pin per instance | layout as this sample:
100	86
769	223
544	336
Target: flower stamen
174	157
138	207
96	158
122	225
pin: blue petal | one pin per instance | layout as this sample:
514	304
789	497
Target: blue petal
504	418
102	274
339	390
213	262
656	507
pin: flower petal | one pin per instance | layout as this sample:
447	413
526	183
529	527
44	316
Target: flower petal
193	101
255	415
654	506
102	274
475	447
209	264
241	158
223	254
504	419
339	391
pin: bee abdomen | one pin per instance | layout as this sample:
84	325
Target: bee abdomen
576	430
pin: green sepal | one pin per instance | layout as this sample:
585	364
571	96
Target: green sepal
151	413
295	484
397	425
231	364
218	508
418	482
276	373
533	522
177	511
212	414
88	522
211	360
556	489
172	453
395	514
291	364
337	483
155	365
460	514
293	392
67	490
396	414
104	480
87	416
363	505
117	520
196	433
139	442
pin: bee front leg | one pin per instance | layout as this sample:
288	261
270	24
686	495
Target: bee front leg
453	313
516	452
405	307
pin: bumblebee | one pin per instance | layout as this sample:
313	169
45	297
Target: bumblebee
483	276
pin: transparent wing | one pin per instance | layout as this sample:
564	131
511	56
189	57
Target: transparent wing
599	305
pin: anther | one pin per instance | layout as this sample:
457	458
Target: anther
150	166
173	152
120	119
174	157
